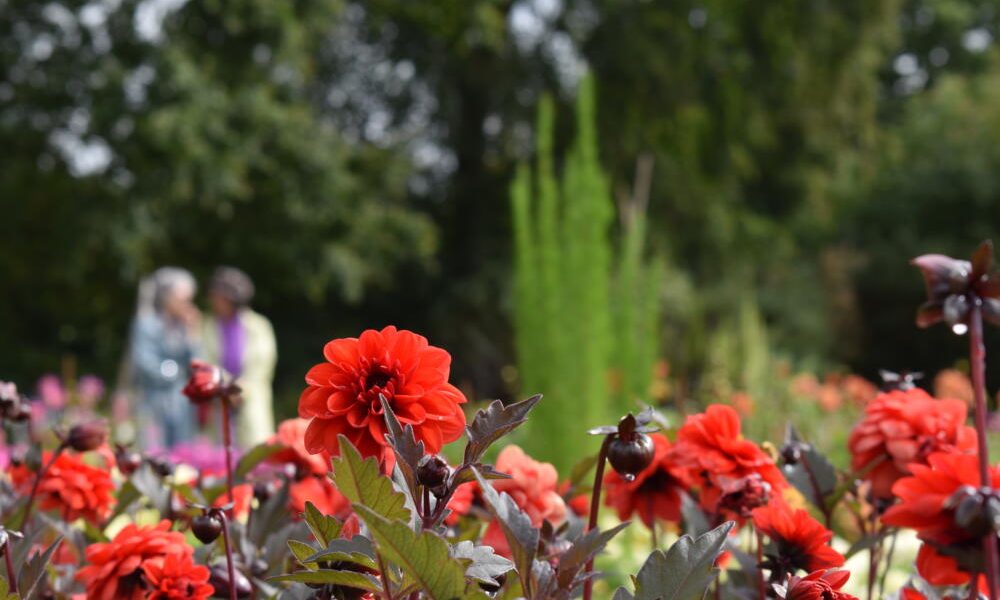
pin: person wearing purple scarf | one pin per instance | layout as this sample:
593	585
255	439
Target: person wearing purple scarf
241	341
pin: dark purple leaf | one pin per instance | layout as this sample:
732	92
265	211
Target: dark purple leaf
494	422
404	444
982	260
685	571
521	535
929	313
582	550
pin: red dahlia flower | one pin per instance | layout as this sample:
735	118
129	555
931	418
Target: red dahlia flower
343	393
534	488
655	493
321	492
71	486
711	449
115	570
291	436
243	494
799	540
818	585
902	427
938	569
176	577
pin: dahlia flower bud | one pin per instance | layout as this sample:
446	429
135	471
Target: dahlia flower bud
128	461
954	286
219	579
206	528
87	436
629	456
432	471
976	510
207	382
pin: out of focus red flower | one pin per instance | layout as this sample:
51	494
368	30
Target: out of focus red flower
71	486
291	436
818	585
859	390
207	382
741	496
655	493
342	397
952	383
901	427
176	577
938	569
830	399
800	541
321	492
114	570
924	507
742	402
533	487
242	494
710	448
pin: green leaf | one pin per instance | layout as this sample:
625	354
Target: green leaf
34	569
302	551
362	482
494	422
685	571
353	579
582	550
254	457
127	495
357	550
622	594
424	557
323	527
521	535
482	562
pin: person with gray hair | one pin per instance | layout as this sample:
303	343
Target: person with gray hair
164	338
241	341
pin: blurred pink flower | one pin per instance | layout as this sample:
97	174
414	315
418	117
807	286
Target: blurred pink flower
90	388
51	391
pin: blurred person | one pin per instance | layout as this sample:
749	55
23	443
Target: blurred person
165	337
241	341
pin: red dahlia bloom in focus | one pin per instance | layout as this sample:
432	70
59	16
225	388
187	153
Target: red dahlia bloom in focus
534	488
115	570
343	393
905	426
176	577
321	492
655	493
799	540
818	585
291	436
71	486
711	449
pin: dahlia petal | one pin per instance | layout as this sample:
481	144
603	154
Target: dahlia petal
371	344
321	374
343	350
315	436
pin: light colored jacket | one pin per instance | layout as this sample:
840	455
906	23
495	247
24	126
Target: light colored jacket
255	416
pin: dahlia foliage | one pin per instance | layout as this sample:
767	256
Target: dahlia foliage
360	497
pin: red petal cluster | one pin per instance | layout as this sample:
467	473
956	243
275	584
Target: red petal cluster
320	491
655	493
133	566
800	540
207	382
74	488
902	427
291	437
711	450
342	397
818	585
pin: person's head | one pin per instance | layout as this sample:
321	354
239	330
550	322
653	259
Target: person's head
173	291
229	291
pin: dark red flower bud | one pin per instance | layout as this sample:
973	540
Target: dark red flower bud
206	528
432	471
628	457
976	511
741	496
207	382
219	579
128	461
87	436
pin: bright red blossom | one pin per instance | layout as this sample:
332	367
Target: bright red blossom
343	393
291	437
243	494
818	585
321	492
905	426
711	449
74	488
115	570
800	541
176	577
655	493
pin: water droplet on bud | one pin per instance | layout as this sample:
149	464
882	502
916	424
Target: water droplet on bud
628	477
959	328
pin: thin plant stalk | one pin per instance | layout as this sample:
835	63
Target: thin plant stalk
11	573
977	360
227	441
38	481
384	576
595	507
230	569
761	586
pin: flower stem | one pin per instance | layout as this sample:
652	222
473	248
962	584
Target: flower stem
761	587
11	573
38	481
595	507
977	360
229	555
227	441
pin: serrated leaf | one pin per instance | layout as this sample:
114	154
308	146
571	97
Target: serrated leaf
582	550
813	475
34	569
151	486
302	551
685	571
482	562
423	556
254	457
494	422
323	527
269	517
362	482
695	521
353	579
622	594
464	474
404	444
126	496
357	550
521	535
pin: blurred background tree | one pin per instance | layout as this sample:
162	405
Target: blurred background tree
355	159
